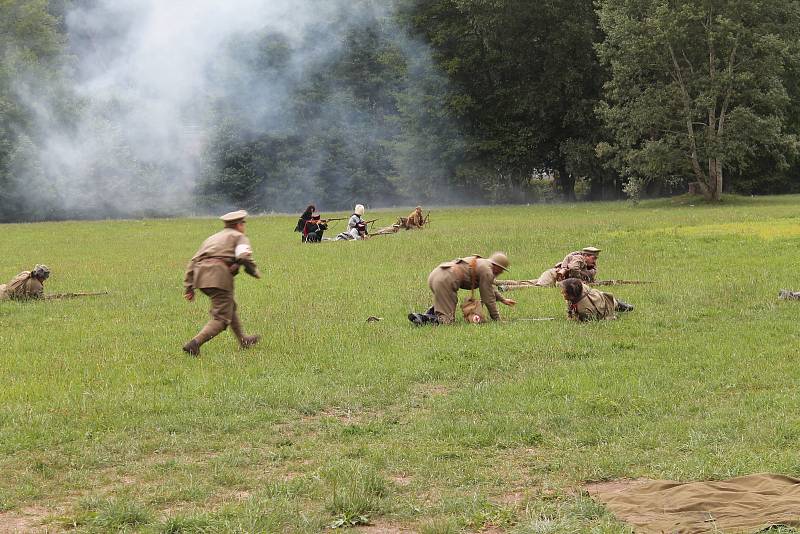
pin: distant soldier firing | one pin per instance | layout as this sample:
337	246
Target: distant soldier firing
211	270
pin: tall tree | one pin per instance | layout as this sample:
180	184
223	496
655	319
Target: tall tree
696	86
526	82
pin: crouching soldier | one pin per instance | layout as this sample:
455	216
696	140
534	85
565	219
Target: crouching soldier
585	303
472	272
26	285
211	270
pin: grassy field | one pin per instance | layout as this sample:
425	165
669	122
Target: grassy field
106	426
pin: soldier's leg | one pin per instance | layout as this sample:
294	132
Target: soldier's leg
445	296
238	330
222	311
548	278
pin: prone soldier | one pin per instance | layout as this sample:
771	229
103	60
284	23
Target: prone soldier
580	264
585	303
26	285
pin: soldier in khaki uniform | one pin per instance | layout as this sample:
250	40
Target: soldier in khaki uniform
585	303
414	220
472	272
211	270
26	285
579	264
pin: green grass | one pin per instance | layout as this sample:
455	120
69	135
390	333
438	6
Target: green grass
105	425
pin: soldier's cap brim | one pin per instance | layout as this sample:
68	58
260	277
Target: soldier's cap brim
591	250
234	216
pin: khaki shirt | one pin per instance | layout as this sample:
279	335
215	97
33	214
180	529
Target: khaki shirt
593	305
415	219
574	266
23	286
484	280
211	264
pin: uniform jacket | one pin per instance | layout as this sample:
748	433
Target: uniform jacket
574	266
22	286
210	266
415	219
593	304
484	280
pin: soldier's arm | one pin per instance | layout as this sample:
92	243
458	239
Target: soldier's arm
243	254
489	294
188	278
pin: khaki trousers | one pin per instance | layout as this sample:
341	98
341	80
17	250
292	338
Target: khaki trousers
548	278
223	313
444	284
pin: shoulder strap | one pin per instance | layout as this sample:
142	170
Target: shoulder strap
473	268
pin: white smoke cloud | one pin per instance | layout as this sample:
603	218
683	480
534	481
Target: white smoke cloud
144	73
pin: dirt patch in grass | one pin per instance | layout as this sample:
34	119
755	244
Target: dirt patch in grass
383	527
28	519
512	498
401	480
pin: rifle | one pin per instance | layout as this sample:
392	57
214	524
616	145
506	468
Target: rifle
618	282
427	219
58	296
535	319
334	219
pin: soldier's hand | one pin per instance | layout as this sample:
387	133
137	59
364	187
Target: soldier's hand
234	269
189	295
510	302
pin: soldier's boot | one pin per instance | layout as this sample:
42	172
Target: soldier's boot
238	331
623	306
416	319
248	341
789	295
192	348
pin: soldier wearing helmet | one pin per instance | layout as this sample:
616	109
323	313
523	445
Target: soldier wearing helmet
26	285
472	273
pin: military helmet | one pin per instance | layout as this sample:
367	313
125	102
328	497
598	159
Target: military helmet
500	259
40	271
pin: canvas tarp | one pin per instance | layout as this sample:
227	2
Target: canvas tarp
740	505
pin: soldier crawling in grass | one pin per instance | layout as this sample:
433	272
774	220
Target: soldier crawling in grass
211	270
580	264
585	303
26	285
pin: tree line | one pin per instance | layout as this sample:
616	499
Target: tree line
469	101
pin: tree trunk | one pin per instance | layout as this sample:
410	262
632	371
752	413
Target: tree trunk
566	183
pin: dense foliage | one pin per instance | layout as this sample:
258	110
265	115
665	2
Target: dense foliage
434	101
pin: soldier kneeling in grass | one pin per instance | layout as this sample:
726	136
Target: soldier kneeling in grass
26	285
585	303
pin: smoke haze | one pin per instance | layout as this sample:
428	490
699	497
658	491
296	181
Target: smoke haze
157	88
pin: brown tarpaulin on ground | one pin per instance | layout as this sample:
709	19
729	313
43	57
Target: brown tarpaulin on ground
744	504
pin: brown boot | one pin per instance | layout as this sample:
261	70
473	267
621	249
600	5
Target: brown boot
249	341
192	348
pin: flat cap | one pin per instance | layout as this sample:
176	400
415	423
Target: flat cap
591	250
234	216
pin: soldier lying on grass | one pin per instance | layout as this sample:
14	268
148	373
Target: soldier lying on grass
26	285
585	303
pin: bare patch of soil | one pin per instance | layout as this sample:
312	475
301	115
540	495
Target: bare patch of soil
383	527
28	519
